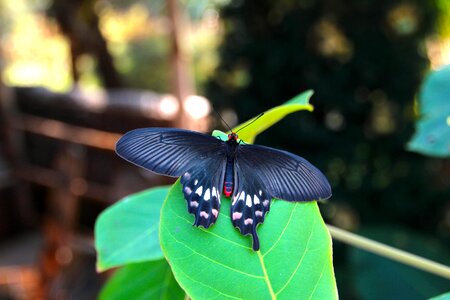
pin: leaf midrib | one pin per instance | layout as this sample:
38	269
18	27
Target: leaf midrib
266	276
274	295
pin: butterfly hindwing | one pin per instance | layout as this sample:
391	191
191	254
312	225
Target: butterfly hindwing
285	175
250	202
169	151
202	189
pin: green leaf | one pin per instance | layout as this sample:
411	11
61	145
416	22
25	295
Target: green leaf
272	116
147	280
294	262
432	135
220	134
127	232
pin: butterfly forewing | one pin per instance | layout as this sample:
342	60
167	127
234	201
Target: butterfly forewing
202	189
168	151
285	175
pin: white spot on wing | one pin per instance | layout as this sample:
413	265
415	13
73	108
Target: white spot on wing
235	198
194	204
187	176
255	199
266	203
204	214
207	195
215	212
237	215
195	182
214	192
258	213
248	221
248	202
187	190
260	192
241	196
199	191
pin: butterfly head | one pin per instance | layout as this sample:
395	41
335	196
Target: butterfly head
233	137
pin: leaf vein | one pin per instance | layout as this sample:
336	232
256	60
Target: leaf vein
300	262
214	261
212	233
283	231
205	285
317	282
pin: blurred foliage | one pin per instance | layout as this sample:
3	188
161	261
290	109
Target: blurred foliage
365	60
432	135
137	34
398	281
33	49
444	17
137	39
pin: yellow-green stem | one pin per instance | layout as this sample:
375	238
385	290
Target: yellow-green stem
389	252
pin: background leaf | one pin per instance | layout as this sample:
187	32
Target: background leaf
272	116
127	232
295	260
432	135
147	280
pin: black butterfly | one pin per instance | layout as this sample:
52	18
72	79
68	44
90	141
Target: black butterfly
251	174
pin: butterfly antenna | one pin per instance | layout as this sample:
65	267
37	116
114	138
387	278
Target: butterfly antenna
223	120
256	118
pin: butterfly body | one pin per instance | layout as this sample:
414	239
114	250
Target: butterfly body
232	144
251	175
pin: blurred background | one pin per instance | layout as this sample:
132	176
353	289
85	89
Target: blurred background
76	74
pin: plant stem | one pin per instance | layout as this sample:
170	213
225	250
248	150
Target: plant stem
389	252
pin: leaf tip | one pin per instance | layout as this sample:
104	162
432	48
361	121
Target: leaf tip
99	267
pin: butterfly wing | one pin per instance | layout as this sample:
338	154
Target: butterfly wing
251	201
200	158
169	151
285	175
202	188
263	173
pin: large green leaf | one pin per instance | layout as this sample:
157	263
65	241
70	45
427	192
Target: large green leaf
147	280
432	135
127	232
294	262
272	116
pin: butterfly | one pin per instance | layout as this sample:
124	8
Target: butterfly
209	167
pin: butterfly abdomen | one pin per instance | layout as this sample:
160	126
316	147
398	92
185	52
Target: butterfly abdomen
228	182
